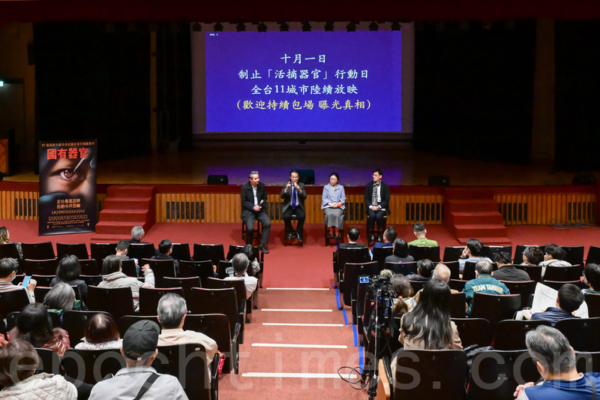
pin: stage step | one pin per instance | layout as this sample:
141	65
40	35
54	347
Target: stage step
468	193
475	217
480	230
489	241
130	191
119	215
127	203
472	205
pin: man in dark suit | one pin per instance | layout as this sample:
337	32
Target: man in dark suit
293	196
377	201
254	207
353	235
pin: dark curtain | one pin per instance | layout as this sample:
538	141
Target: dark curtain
474	90
577	95
94	83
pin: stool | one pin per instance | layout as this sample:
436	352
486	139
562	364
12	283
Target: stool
376	232
287	241
257	232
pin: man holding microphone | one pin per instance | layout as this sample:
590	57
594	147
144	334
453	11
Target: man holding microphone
254	207
293	195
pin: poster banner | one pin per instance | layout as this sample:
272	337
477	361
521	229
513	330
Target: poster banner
67	201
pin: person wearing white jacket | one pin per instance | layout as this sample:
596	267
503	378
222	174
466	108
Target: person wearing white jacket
18	362
112	277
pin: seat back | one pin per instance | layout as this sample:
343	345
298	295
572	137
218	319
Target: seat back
593	303
402	268
453	253
188	363
141	250
457	305
181	251
524	288
457	284
40	267
442	374
510	334
75	323
161	268
212	252
215	301
222	268
519	252
101	250
91	280
380	253
203	269
417	285
351	255
587	361
454	267
534	272
593	256
78	250
556	285
563	273
13	300
495	307
11	319
474	331
149	298
9	250
49	361
43	280
574	254
116	301
491	251
582	333
469	271
351	273
129	268
425	253
216	327
91	366
127	320
237	284
40	292
38	251
89	267
496	374
185	283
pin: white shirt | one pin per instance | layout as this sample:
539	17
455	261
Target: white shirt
250	282
254	189
378	194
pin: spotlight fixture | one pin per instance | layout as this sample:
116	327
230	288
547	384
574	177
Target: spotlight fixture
262	27
1	83
329	26
396	26
196	27
374	26
218	27
241	27
306	27
351	27
284	27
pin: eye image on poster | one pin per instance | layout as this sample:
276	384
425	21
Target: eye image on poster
67	202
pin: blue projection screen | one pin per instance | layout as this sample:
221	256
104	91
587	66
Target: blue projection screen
303	81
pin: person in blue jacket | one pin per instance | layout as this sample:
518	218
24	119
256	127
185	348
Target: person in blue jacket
483	283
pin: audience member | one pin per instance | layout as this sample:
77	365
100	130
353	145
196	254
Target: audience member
403	302
532	256
140	349
400	252
507	271
353	235
240	266
172	310
555	361
165	248
137	234
61	298
101	333
421	234
254	267
388	239
568	301
471	253
8	271
591	276
441	272
18	363
428	326
483	283
69	271
5	239
387	272
35	326
424	270
112	277
554	256
122	249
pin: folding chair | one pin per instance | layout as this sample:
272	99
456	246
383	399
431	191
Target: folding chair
216	327
185	283
405	269
218	301
474	331
13	300
181	252
348	255
149	298
244	309
582	333
38	251
457	284
380	254
417	285
457	305
453	253
491	251
141	250
524	288
102	250
49	361
469	271
425	253
9	250
454	267
127	320
510	334
75	322
91	280
129	268
116	301
495	307
556	285
593	302
202	269
97	364
351	273
574	254
534	272
563	273
161	268
593	256
89	267
212	252
78	250
40	267
518	259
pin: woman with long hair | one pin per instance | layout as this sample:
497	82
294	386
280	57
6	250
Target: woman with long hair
5	239
35	326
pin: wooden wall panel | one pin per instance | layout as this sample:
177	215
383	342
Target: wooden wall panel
20	205
546	209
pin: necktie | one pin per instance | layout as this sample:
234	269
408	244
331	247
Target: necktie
375	199
293	198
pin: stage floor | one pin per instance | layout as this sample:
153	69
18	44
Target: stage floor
352	161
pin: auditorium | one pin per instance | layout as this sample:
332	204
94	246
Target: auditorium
277	200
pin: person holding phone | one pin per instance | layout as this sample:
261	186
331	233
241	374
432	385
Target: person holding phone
8	271
293	195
